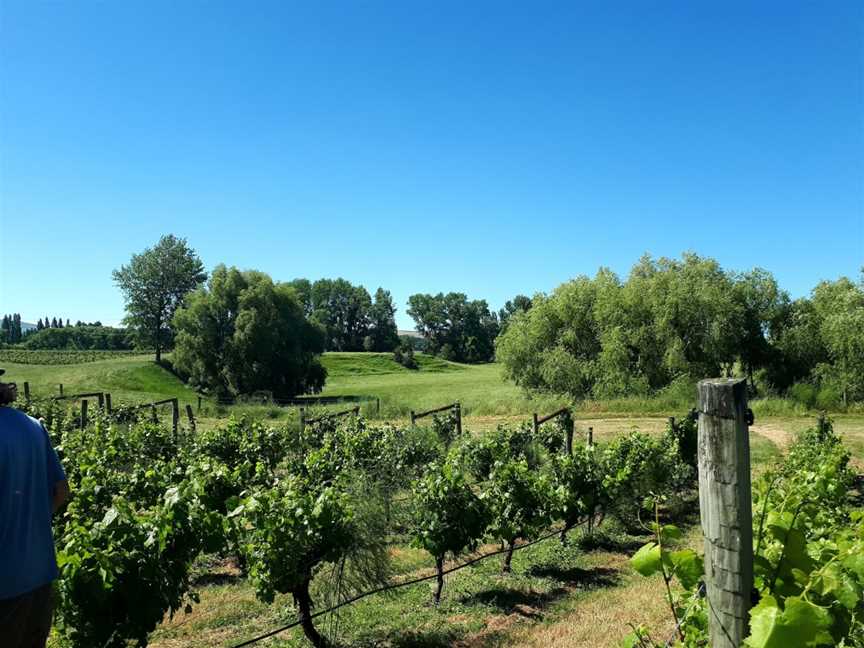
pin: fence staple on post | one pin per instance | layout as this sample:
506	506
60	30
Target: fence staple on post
725	508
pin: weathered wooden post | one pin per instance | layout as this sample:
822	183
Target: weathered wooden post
725	508
590	436
458	409
26	391
191	418
175	416
569	427
108	402
413	418
101	399
672	424
199	404
84	404
302	419
153	412
535	420
61	389
377	406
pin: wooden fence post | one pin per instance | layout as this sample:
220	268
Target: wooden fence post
458	409
84	404
569	426
26	391
590	436
377	406
61	389
175	416
535	424
199	404
413	418
101	399
302	419
189	415
725	508
108	402
155	416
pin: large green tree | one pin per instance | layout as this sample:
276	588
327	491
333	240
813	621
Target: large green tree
154	284
383	334
454	327
243	333
602	337
343	309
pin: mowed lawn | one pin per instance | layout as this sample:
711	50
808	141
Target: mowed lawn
133	379
480	389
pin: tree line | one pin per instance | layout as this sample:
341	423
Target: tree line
10	329
670	322
680	320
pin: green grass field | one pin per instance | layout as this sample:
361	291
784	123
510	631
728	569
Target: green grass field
481	389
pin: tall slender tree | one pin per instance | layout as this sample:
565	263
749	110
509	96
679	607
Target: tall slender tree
154	284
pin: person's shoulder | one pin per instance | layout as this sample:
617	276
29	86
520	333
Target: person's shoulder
17	415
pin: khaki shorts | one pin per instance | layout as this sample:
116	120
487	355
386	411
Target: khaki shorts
25	620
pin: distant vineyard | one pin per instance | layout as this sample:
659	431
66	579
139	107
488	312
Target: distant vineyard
60	357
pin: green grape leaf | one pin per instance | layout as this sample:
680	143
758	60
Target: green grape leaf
800	624
838	583
670	532
646	561
688	567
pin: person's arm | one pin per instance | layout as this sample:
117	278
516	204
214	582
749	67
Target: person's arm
58	486
60	495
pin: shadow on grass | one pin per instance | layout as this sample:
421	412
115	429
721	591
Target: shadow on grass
418	639
511	601
218	578
576	576
619	543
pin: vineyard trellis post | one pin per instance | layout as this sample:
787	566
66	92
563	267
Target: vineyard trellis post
569	426
190	416
456	407
725	508
175	416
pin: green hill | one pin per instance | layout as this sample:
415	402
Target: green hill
136	378
340	364
129	378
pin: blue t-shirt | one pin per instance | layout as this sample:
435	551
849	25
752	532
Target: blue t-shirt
29	471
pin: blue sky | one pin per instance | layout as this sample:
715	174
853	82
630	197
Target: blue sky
490	148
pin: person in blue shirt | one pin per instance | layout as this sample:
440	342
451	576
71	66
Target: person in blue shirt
32	487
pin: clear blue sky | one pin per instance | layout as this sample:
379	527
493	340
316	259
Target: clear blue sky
485	147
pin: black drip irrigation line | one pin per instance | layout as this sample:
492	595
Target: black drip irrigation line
413	581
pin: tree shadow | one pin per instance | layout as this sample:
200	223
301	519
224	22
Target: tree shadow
619	543
576	576
417	639
217	578
512	601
